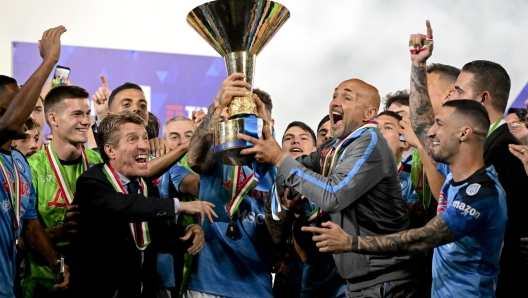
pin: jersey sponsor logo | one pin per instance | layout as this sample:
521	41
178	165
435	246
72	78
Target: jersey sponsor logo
24	185
442	203
157	181
59	200
472	189
45	178
466	209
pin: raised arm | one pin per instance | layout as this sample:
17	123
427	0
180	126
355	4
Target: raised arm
421	109
158	166
24	101
200	157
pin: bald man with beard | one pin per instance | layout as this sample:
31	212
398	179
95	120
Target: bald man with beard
353	179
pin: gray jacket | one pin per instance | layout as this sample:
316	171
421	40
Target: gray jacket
363	196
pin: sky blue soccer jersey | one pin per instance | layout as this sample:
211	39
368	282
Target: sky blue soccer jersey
7	232
475	212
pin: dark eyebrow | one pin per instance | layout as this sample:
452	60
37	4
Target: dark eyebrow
322	129
348	90
458	88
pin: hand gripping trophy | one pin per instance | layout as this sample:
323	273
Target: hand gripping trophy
238	30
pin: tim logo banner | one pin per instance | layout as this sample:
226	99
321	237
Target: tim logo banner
174	84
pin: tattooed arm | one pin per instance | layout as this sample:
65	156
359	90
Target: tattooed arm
280	230
421	109
200	156
331	238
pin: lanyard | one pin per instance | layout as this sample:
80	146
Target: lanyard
238	190
140	231
58	170
15	189
494	126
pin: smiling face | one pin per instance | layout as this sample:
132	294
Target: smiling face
516	126
130	156
130	100
71	122
444	133
178	132
353	103
297	142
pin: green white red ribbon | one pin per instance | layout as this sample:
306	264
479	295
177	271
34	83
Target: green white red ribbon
140	231
15	189
58	169
237	191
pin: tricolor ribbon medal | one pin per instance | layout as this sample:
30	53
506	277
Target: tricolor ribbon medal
15	189
58	169
237	192
140	231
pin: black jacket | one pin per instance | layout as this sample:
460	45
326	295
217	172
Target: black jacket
104	258
513	178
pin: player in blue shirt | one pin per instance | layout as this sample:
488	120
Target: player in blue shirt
468	232
239	267
18	217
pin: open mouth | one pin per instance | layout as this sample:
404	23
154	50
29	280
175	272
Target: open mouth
296	150
141	159
337	118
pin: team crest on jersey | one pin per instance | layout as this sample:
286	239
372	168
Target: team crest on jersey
442	203
472	189
6	205
20	165
403	183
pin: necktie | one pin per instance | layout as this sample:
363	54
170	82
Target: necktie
133	187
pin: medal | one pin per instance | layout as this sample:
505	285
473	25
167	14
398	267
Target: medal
233	231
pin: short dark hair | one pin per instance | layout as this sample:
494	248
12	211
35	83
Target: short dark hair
399	97
55	98
323	121
265	98
446	72
30	124
109	129
493	78
519	112
304	127
391	114
125	86
474	112
153	126
4	81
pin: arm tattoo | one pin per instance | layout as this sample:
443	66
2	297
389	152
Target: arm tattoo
422	114
434	234
200	155
280	230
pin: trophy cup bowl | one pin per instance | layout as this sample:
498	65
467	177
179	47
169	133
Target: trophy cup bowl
238	30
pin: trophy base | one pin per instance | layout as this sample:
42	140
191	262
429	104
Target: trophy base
229	154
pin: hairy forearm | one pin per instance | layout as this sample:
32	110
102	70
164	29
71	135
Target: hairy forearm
415	241
434	178
24	102
421	109
200	156
38	241
158	166
54	233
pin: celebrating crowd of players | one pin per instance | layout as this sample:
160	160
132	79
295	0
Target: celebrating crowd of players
424	199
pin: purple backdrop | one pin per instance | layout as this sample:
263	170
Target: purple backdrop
174	84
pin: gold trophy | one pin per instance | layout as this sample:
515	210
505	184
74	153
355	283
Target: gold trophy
238	30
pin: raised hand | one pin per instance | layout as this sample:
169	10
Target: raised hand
50	44
198	117
233	86
266	150
421	46
407	131
100	99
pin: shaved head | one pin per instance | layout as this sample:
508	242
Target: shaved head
365	92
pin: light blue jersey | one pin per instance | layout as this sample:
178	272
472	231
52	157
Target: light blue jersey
475	212
7	232
227	267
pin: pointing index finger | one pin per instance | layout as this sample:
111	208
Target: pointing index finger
429	29
103	81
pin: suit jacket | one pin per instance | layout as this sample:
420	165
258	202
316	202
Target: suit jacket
104	258
512	176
